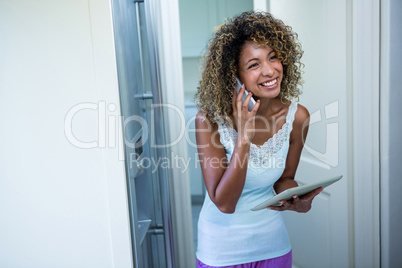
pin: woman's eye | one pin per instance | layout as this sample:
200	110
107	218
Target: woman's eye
273	57
252	65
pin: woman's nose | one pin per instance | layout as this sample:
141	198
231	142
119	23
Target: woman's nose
268	70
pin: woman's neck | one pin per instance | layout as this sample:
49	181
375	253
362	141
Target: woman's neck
269	107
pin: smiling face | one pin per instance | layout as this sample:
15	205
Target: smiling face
260	70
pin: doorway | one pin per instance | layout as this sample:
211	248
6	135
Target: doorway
326	153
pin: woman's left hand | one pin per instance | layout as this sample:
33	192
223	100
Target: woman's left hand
297	204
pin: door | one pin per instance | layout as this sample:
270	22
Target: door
147	184
320	238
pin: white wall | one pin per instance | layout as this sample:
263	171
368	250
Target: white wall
262	5
60	205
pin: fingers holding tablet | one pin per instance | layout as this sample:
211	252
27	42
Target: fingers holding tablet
305	192
298	204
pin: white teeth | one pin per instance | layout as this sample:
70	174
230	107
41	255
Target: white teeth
273	82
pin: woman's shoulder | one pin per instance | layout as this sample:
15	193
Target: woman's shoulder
201	116
302	115
300	123
207	132
203	121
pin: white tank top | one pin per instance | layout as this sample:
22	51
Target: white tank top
248	236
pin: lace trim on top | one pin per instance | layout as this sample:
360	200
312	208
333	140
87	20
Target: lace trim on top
260	155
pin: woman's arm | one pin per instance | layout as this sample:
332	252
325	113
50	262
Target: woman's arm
225	181
286	181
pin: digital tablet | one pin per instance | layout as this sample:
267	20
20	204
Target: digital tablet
299	190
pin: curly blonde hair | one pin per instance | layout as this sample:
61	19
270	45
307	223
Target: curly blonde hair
215	91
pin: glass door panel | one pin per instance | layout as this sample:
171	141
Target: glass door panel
146	181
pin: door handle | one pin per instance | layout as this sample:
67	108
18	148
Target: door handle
144	96
156	230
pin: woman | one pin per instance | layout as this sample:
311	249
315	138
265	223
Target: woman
247	155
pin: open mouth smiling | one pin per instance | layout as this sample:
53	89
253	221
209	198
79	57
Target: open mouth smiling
270	83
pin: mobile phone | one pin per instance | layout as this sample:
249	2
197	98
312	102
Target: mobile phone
251	102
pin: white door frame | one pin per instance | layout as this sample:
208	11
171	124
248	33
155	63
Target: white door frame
170	58
385	133
365	102
390	150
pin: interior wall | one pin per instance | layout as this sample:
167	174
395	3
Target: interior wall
262	5
61	205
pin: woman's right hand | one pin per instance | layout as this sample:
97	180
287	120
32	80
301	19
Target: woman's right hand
243	119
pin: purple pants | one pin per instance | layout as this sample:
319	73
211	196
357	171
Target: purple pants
284	261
